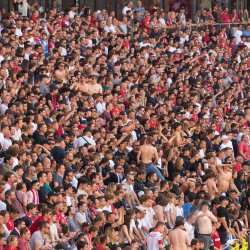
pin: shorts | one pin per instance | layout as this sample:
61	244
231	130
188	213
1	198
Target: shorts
223	237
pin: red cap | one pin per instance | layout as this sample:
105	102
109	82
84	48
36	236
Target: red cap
80	126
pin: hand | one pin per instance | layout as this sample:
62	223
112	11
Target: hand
228	232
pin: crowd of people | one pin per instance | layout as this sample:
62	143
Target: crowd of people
124	134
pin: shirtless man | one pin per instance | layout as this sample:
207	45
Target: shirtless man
211	185
176	127
95	87
205	219
83	86
147	152
225	180
62	73
179	238
158	209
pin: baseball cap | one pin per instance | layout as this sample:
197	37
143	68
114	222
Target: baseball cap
52	193
73	5
69	169
106	87
182	8
224	137
60	246
53	87
4	97
204	203
43	21
199	197
45	142
37	92
30	112
80	126
192	119
222	198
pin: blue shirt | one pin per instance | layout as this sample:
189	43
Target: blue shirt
47	188
46	44
186	208
141	10
246	33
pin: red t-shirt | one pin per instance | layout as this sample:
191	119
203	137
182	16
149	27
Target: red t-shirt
244	148
123	92
34	19
117	111
99	247
216	239
218	128
153	8
10	225
59	132
60	218
33	227
237	167
143	22
225	18
152	124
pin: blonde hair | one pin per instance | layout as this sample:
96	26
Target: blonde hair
178	163
108	232
110	188
10	239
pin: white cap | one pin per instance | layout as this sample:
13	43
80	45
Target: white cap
206	117
224	137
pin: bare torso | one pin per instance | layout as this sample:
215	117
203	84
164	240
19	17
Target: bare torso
178	238
158	214
147	153
96	88
84	87
205	224
177	138
224	179
210	185
61	75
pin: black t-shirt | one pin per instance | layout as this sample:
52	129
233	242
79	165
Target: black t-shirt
222	212
175	188
49	205
118	205
208	143
58	154
8	206
109	225
41	194
248	195
39	138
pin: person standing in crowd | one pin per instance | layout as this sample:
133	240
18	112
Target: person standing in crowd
118	127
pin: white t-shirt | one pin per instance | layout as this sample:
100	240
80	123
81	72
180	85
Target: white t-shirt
80	141
190	231
237	34
108	208
71	14
154	239
19	32
79	219
179	211
125	9
218	161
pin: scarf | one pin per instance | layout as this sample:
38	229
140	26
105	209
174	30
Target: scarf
54	102
90	241
35	196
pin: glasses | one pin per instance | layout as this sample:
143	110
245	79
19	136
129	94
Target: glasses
194	175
